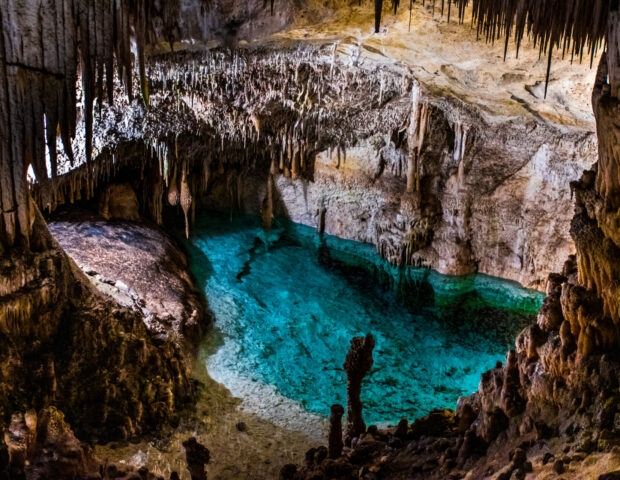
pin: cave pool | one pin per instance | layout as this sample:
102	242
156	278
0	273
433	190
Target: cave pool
286	303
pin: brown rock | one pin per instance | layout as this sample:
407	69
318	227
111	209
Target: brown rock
119	201
357	364
558	467
335	431
610	476
402	428
197	457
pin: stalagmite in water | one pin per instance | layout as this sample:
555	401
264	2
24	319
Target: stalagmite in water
357	364
335	431
321	224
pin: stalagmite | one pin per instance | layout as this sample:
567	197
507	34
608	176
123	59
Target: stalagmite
186	199
357	364
335	431
197	457
321	224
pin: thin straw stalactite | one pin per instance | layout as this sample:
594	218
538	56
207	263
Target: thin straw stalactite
578	26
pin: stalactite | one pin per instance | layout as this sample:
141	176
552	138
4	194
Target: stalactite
551	24
421	134
460	141
173	189
378	10
412	137
40	82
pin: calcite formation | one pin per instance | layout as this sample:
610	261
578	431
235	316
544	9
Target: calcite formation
430	180
357	365
560	384
303	132
335	431
198	457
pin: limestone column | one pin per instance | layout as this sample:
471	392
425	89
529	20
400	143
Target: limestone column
357	364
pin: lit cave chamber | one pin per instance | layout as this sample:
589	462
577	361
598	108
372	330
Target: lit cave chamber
309	239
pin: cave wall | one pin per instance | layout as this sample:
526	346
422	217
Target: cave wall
63	343
493	199
491	191
500	209
596	226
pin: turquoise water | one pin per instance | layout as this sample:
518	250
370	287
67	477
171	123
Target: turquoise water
287	303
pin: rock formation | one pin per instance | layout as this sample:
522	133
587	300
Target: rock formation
490	189
305	133
357	365
335	431
556	395
198	457
151	278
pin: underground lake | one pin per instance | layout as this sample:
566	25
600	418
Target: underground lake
287	302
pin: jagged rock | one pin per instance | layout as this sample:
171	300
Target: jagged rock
4	460
519	458
402	428
550	314
365	451
511	401
320	454
43	447
58	454
437	423
288	472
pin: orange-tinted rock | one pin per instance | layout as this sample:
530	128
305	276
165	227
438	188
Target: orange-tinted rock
119	201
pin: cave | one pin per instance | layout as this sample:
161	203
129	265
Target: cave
305	239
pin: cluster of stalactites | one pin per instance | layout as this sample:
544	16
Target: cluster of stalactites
276	108
43	48
575	26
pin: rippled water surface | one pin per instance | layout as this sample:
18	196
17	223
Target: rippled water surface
287	303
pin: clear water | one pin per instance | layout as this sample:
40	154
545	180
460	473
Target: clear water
287	303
